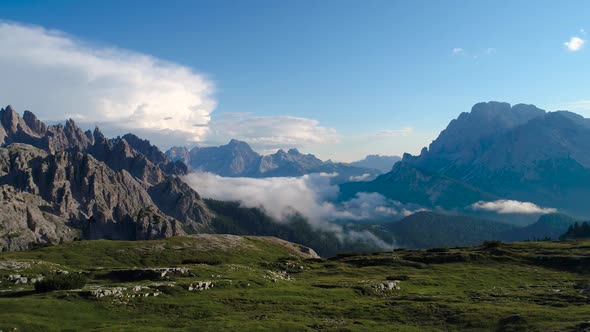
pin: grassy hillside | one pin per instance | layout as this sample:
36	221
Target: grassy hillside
429	229
268	284
549	226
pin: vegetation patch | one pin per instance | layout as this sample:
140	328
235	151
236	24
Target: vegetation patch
61	282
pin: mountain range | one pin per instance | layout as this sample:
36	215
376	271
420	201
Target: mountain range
59	183
237	159
496	151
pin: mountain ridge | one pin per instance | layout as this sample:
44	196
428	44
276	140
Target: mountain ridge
515	152
238	159
80	184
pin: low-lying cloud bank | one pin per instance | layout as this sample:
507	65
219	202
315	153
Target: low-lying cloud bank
310	195
506	206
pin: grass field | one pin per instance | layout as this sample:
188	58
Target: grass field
262	284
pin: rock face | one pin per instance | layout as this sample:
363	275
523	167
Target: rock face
237	159
413	185
515	152
58	183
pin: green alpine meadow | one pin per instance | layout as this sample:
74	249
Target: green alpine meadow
223	282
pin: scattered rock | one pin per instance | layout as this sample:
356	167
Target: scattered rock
103	292
388	286
200	285
274	276
20	279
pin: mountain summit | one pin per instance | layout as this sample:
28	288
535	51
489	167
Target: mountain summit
59	183
237	159
515	152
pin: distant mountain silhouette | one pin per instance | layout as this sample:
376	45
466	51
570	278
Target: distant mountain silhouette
237	159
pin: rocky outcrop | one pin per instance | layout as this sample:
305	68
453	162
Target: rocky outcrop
199	286
25	220
151	224
59	183
155	155
388	286
177	199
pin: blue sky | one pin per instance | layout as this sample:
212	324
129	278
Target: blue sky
375	76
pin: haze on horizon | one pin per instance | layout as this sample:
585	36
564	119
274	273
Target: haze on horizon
334	78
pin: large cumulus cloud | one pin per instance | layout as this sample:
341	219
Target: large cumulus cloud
58	77
269	133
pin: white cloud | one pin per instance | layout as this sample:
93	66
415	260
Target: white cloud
505	206
280	197
574	44
311	195
457	51
57	76
358	178
271	132
374	206
475	55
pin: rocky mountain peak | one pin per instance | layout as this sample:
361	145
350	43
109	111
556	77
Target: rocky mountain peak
235	142
515	152
124	150
97	134
466	136
59	183
10	119
238	159
146	148
34	124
